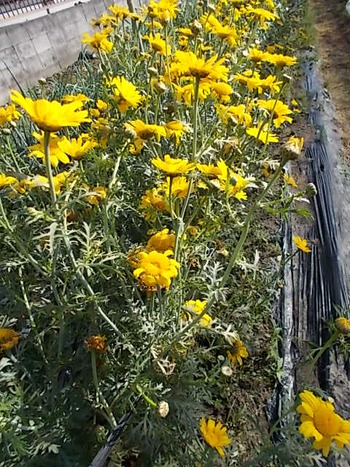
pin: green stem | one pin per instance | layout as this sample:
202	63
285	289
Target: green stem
233	258
49	169
195	118
99	396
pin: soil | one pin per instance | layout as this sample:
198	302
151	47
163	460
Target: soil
332	27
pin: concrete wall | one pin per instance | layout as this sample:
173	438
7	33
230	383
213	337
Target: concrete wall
40	44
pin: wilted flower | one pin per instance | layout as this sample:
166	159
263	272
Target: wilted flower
8	338
343	325
96	342
163	409
291	150
226	371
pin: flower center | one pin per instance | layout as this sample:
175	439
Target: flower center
326	422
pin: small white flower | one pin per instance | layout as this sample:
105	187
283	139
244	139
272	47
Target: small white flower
226	370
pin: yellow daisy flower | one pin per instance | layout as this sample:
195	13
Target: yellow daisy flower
76	148
161	241
158	44
57	155
6	180
237	352
215	434
8	114
197	306
125	93
99	41
301	244
188	64
179	187
51	116
173	166
156	269
278	109
319	421
262	135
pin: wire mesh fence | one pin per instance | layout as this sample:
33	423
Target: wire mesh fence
11	8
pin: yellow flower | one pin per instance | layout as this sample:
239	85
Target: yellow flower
157	44
102	105
125	93
280	60
156	269
179	187
319	421
175	128
143	132
278	110
164	10
96	342
56	153
292	148
301	244
188	64
68	98
183	42
256	55
8	114
98	41
197	306
173	166
221	91
343	325
290	180
104	21
120	12
185	32
76	148
209	170
152	201
224	32
161	241
262	135
215	434
270	83
51	116
261	14
8	338
186	92
235	113
59	181
237	352
6	181
99	193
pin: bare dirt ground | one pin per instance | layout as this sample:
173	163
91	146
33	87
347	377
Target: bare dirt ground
332	26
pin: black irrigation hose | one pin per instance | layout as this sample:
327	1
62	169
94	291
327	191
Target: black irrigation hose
325	282
102	455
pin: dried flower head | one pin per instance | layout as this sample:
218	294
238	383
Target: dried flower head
96	342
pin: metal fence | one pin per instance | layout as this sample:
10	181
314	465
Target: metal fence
11	8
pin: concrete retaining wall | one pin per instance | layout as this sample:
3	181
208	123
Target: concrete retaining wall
40	44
